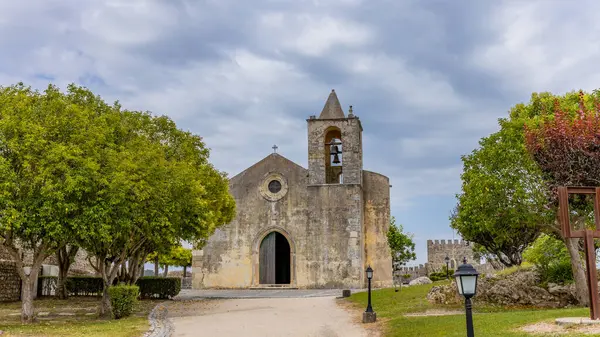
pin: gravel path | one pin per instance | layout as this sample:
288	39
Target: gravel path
266	317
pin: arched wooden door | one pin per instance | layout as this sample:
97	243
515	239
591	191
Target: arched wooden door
274	259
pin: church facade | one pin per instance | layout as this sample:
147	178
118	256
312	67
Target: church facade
307	228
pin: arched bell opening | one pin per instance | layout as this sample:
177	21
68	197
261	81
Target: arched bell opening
333	156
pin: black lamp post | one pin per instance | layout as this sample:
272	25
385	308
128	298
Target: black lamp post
369	315
466	281
447	259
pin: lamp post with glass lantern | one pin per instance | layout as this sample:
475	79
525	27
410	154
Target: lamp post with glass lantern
369	315
447	259
466	282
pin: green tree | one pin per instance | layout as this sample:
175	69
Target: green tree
161	190
119	184
48	157
177	256
502	205
181	257
506	201
563	140
401	244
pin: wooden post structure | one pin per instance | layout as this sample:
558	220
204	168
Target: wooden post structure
588	236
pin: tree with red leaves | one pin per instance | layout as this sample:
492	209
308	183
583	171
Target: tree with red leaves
565	144
566	147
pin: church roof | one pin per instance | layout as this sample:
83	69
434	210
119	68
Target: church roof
274	158
332	108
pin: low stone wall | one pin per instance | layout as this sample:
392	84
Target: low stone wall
521	288
10	282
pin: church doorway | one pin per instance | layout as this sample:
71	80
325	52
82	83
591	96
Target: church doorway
274	260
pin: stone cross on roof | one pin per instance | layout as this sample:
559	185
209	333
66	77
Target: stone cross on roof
274	148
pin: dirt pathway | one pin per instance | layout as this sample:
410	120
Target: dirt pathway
265	317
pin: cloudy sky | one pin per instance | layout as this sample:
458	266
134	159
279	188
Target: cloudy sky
427	78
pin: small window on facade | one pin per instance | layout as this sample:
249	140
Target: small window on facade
274	186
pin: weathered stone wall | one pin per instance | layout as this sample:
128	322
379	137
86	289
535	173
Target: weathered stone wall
456	250
376	189
335	236
414	272
230	257
323	223
351	146
10	282
80	266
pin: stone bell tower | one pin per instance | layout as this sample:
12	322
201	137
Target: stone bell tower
334	146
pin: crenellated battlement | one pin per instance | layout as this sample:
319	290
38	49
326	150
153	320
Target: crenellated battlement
454	242
411	269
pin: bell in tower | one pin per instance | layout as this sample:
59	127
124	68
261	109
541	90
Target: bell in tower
335	145
335	151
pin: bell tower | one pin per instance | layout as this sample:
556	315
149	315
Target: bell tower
334	146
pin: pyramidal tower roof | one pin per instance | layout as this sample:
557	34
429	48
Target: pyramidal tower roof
332	108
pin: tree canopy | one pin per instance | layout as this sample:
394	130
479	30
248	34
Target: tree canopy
48	161
501	206
401	244
118	183
508	194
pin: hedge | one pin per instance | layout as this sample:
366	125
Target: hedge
123	299
159	287
150	286
84	286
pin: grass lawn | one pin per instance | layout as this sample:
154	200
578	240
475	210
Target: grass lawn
79	318
391	308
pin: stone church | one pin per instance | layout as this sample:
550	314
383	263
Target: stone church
305	228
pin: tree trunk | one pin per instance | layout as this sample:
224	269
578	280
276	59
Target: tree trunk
109	272
27	311
156	265
184	271
166	270
65	256
105	308
135	268
578	271
61	288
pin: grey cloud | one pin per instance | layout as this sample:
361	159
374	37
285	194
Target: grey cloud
428	79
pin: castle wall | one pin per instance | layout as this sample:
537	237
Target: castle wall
376	189
411	272
456	250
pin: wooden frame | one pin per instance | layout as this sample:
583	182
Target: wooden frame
588	236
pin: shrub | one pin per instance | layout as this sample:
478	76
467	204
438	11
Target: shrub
441	275
551	258
123	299
84	285
159	287
437	276
559	273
